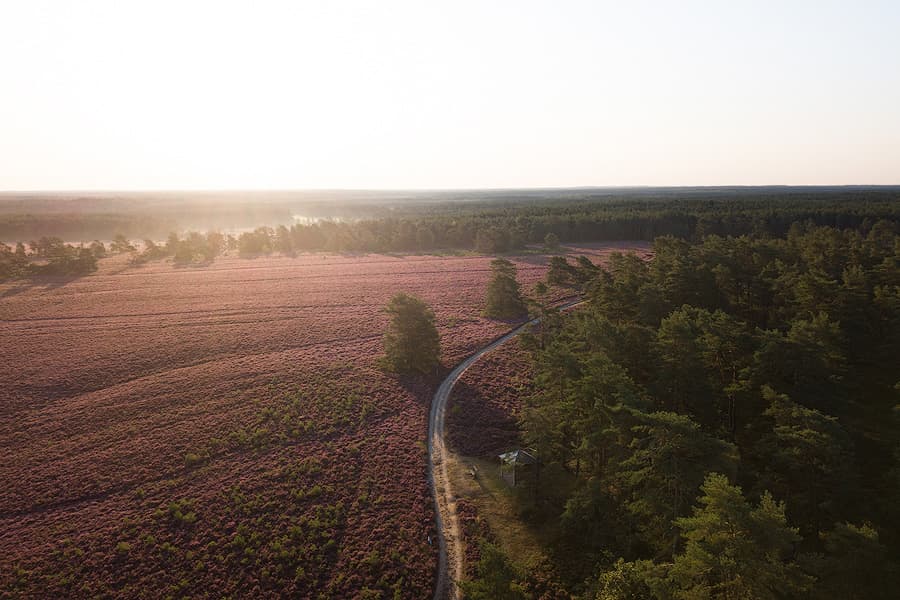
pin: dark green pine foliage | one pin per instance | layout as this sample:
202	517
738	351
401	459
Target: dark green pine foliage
625	291
624	581
504	297
498	224
807	362
412	342
577	414
855	565
560	272
771	360
585	270
735	550
807	461
732	551
667	462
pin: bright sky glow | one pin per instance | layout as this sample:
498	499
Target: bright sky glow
424	94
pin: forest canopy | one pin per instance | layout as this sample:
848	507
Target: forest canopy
726	415
487	221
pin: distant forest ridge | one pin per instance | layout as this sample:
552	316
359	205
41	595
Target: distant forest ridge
389	220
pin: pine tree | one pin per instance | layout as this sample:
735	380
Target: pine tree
412	343
625	581
669	459
560	273
585	270
808	462
504	298
734	550
856	565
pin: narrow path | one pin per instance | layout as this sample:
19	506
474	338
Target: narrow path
450	554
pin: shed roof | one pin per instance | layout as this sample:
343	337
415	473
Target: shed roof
518	457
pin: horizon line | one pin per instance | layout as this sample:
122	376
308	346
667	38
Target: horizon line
439	189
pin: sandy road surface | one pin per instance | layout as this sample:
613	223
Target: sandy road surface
450	553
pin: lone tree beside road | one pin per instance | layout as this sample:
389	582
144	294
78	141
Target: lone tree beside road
412	343
504	298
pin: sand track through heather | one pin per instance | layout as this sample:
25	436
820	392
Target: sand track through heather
450	552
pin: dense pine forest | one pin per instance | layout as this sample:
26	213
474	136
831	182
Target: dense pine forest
512	225
493	220
721	422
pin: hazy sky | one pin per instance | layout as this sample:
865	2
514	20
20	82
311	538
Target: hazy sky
412	94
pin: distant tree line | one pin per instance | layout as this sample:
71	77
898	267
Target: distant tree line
511	224
82	225
726	418
497	230
194	247
52	256
48	256
140	217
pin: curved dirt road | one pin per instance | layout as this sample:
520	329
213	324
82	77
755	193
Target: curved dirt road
450	555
